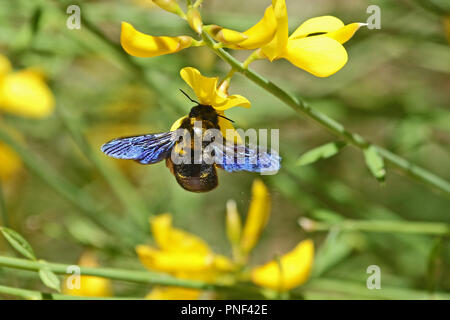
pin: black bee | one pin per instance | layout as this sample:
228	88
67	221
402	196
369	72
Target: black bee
192	175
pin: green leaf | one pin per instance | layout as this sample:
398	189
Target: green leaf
323	152
18	242
50	279
375	163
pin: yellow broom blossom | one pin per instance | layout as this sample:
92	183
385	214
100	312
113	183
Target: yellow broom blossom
315	46
182	255
24	93
207	92
289	271
258	215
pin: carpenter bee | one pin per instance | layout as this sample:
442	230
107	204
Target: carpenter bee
194	173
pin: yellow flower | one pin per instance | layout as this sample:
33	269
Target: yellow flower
257	217
24	92
208	93
289	271
181	254
316	46
89	286
142	45
255	37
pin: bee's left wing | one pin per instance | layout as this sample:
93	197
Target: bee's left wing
247	158
146	149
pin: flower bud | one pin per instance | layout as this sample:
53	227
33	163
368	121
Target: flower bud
233	223
226	36
171	6
195	20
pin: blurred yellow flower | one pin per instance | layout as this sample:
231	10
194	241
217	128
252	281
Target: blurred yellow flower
24	92
173	293
181	254
257	217
89	286
289	271
10	162
446	22
208	93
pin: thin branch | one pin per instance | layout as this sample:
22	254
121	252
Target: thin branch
430	228
37	295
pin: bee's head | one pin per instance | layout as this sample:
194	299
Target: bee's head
204	112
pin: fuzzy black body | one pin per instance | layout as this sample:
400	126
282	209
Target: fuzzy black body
200	177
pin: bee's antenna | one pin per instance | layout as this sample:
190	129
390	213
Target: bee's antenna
189	97
219	115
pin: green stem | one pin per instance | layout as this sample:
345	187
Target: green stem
343	288
37	295
301	107
135	276
430	228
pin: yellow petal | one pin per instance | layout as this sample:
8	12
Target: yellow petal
322	24
258	215
319	55
173	293
233	223
195	20
277	46
224	35
89	286
5	65
345	33
204	87
223	264
172	239
10	162
227	129
171	261
139	44
295	269
231	101
261	33
177	124
24	93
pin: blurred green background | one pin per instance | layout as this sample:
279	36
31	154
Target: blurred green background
394	90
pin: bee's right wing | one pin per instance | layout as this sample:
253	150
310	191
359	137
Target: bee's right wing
146	149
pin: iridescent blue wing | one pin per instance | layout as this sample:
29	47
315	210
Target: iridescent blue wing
146	149
247	158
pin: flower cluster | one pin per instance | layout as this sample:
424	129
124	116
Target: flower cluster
315	46
186	256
